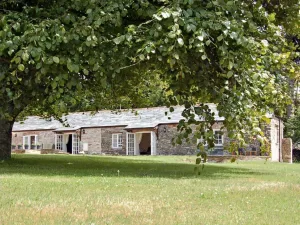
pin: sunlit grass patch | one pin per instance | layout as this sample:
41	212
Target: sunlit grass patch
60	189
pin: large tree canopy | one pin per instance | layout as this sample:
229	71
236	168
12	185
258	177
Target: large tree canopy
229	52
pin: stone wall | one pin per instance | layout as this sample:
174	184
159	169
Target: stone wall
275	134
168	131
45	137
287	150
220	159
100	140
164	142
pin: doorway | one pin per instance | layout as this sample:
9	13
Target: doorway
141	143
69	144
145	144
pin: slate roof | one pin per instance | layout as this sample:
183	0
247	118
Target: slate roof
138	118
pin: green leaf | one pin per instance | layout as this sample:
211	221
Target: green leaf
148	49
16	26
17	60
25	56
176	56
157	17
38	65
191	27
119	40
128	37
229	74
230	65
220	38
85	71
271	17
75	68
180	41
203	57
172	34
69	66
200	37
165	15
142	57
103	82
55	59
21	67
54	84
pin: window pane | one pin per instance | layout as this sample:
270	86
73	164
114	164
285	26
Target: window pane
218	138
32	140
59	142
117	140
114	140
120	140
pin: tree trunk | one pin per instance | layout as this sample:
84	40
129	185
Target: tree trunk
5	138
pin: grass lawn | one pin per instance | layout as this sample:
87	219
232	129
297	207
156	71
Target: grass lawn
61	189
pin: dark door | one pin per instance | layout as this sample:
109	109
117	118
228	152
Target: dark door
69	145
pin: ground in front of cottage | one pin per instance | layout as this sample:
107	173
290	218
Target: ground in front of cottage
66	189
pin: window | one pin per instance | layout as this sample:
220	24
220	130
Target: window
75	144
59	142
30	141
117	140
218	137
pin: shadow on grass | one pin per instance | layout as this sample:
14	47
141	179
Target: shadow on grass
79	166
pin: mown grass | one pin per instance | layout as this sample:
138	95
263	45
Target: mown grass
60	189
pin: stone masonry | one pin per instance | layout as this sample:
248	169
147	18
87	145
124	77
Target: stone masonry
164	141
45	137
287	150
100	140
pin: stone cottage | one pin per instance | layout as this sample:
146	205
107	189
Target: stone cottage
147	131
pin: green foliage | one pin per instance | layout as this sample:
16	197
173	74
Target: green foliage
232	147
265	149
200	161
232	53
292	128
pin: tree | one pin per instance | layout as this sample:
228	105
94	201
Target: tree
139	92
292	127
286	14
227	52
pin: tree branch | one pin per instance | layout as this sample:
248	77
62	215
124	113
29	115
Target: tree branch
5	60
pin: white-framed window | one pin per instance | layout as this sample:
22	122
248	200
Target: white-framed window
30	141
59	142
218	137
75	144
117	141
